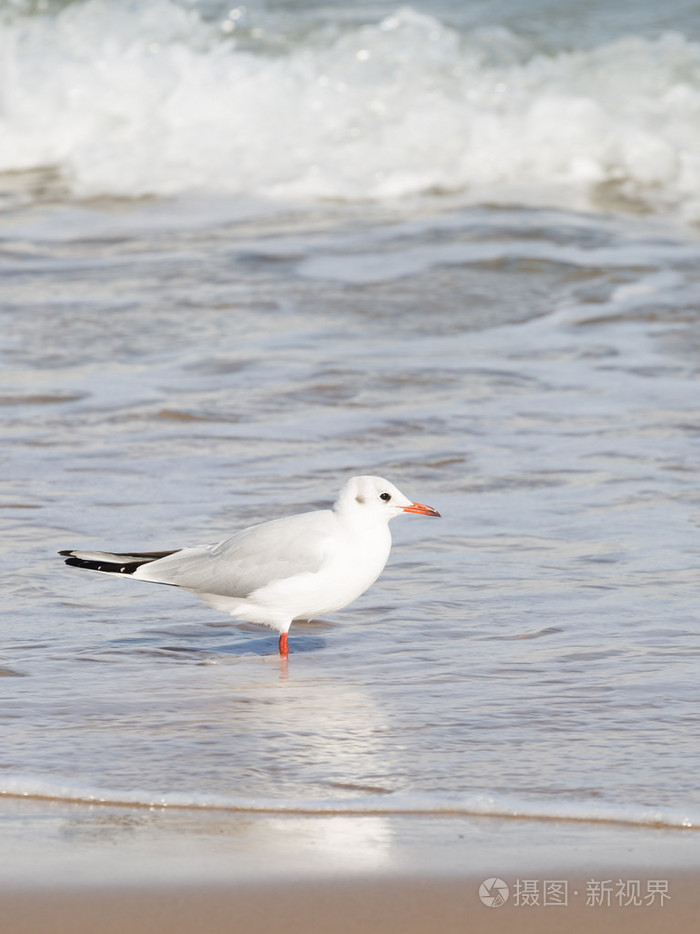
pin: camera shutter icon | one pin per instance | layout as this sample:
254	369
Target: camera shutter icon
493	893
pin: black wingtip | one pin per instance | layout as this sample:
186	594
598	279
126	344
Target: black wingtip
109	567
73	562
114	563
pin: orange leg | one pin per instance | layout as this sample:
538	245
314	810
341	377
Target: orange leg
283	644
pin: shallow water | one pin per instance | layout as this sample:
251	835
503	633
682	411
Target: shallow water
174	370
538	644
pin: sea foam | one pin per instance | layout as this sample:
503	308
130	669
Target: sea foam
130	100
476	804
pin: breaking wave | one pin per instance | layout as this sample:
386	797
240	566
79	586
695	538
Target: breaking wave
109	99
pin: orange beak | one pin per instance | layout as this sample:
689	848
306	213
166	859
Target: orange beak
422	510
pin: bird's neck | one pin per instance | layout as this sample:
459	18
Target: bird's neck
358	522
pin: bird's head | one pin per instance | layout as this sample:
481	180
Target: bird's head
375	497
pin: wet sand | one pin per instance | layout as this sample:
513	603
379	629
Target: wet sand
79	869
384	905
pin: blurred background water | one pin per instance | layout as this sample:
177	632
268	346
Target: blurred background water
247	252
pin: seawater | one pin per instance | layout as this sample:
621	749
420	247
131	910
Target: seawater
247	253
519	103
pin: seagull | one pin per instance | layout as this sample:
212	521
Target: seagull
294	568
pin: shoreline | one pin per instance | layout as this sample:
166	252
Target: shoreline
72	868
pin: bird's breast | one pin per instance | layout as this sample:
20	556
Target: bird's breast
354	567
352	564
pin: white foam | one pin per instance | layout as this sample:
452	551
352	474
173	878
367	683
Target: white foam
147	99
474	804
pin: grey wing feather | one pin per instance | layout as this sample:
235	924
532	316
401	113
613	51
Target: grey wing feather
249	560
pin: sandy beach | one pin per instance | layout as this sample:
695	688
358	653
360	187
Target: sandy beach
407	905
79	869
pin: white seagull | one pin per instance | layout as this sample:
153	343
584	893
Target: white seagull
298	567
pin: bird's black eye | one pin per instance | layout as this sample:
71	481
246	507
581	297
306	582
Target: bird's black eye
385	496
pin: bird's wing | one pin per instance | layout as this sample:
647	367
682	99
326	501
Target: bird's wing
251	559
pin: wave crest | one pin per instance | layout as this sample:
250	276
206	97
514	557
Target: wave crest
149	99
